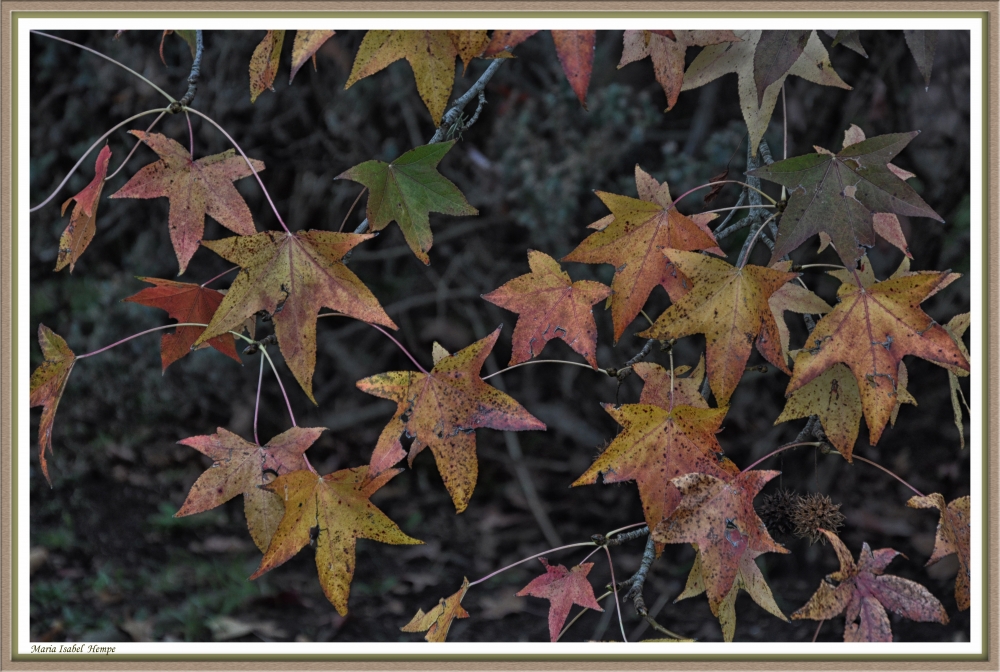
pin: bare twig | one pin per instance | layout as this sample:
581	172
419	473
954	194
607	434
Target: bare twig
625	371
193	76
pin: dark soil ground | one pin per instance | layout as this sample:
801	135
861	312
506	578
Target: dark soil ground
111	563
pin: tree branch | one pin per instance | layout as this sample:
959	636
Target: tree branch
193	77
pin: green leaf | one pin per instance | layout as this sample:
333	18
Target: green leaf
407	190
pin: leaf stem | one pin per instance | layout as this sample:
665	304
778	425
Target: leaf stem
288	404
141	333
226	272
190	133
106	58
135	147
782	449
608	535
805	266
614	585
712	184
536	555
748	246
879	466
256	408
240	150
579	614
92	147
818	626
736	207
400	345
542	361
353	205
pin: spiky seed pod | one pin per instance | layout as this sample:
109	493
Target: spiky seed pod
776	511
813	512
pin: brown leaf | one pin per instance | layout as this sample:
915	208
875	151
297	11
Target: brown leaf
264	63
307	43
83	221
48	382
438	620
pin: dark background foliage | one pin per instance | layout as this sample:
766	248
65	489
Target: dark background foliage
111	563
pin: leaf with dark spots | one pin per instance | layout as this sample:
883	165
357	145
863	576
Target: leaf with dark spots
437	621
83	220
264	63
440	410
663	389
563	588
338	504
48	382
952	537
307	43
242	468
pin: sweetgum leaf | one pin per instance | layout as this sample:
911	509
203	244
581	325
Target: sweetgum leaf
242	468
48	382
848	38
334	511
795	298
195	188
952	537
730	306
437	621
550	305
776	53
307	43
407	190
184	302
574	48
862	593
657	390
563	588
264	63
83	221
922	44
441	410
291	276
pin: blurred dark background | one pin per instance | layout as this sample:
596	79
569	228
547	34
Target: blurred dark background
109	562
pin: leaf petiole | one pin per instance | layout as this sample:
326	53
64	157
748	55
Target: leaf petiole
536	555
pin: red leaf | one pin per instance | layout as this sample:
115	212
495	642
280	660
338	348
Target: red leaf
563	588
83	222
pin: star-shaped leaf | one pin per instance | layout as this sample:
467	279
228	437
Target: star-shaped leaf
952	537
437	621
83	220
730	306
441	410
550	305
667	54
685	381
833	396
241	468
838	194
575	49
634	242
184	302
264	63
47	384
291	276
431	54
563	588
863	593
748	578
407	190
307	43
333	511
720	59
870	330
195	188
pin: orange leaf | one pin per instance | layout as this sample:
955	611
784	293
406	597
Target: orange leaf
333	511
184	302
195	188
563	588
438	620
952	537
550	305
504	40
794	298
575	49
47	384
242	468
83	221
307	43
291	276
730	306
863	593
657	380
441	410
264	63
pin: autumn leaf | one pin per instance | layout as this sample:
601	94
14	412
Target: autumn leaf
848	38
956	328
437	621
719	517
563	588
862	593
870	330
794	298
264	63
662	389
667	54
83	220
834	397
291	276
195	188
730	306
441	410
634	242
838	194
48	382
720	59
952	537
407	190
550	305
657	444
575	49
922	45
748	578
184	302
431	54
242	468
189	36
333	511
776	53
307	43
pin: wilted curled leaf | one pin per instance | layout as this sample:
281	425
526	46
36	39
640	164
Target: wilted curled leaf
333	511
862	593
952	537
83	221
438	620
47	384
563	588
956	328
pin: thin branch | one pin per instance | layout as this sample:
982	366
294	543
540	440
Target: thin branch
195	72
751	241
625	371
543	361
736	207
739	202
618	607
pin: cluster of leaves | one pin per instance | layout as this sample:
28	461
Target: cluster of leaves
849	367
